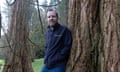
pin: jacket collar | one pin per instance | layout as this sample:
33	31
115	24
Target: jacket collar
54	28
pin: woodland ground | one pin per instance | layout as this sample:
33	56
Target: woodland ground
37	64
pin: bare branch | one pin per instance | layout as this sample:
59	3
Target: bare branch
39	16
10	4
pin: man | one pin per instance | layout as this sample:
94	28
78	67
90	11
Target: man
58	44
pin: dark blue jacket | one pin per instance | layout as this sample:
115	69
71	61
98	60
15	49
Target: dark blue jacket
58	45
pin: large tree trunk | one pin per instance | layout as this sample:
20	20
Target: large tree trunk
110	23
81	23
19	58
95	26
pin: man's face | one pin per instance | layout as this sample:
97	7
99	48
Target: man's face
52	18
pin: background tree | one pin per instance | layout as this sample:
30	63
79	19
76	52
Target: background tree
19	60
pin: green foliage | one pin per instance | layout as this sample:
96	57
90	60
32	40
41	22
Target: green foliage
36	36
38	41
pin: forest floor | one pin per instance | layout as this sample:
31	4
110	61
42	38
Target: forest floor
37	64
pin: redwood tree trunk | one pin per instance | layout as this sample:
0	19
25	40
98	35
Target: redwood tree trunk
19	59
110	23
95	26
80	22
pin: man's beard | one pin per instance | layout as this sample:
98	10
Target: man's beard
51	23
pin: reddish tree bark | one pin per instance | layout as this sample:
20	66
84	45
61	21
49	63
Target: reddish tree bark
19	59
